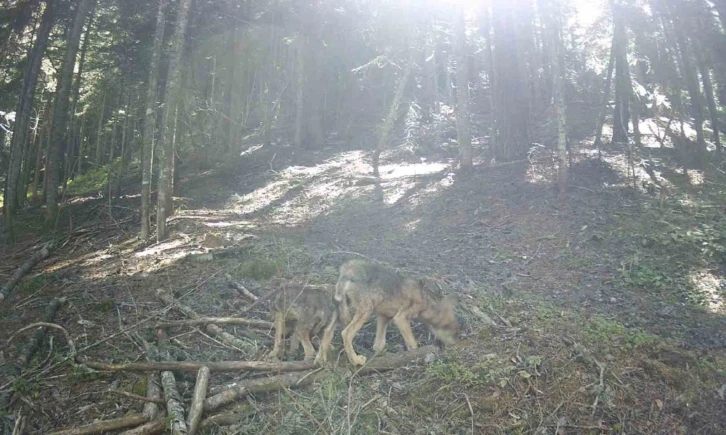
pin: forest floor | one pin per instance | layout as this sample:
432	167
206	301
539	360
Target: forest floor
605	315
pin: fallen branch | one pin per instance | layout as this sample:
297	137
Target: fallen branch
273	383
135	396
200	393
214	330
193	366
260	300
393	361
150	428
105	426
297	380
226	419
71	346
16	370
240	288
254	323
23	270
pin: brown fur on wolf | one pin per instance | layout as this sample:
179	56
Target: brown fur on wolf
306	311
371	288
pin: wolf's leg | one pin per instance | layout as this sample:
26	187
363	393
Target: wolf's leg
381	327
279	349
359	319
303	333
404	325
326	341
294	344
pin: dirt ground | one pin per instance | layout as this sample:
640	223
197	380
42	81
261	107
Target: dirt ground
602	315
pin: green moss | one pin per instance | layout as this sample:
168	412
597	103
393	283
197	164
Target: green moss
259	270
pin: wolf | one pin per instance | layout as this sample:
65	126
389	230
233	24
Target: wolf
306	310
369	288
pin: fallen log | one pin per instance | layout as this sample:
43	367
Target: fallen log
273	383
153	393
214	330
226	419
153	382
254	323
200	393
23	270
193	366
31	347
105	426
150	428
174	407
135	396
300	379
393	361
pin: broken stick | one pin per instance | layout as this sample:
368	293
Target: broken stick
212	329
200	393
240	288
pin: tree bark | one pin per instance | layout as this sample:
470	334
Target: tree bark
623	86
710	98
463	126
558	91
390	119
23	114
147	154
166	139
77	89
300	94
511	135
605	100
60	113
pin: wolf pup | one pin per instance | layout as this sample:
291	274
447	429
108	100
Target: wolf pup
369	288
306	310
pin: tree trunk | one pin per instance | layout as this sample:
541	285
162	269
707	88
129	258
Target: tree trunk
393	111
60	112
147	154
605	100
42	147
511	135
623	86
710	98
98	155
166	139
300	94
31	155
124	148
77	93
486	28
463	127
23	114
558	91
